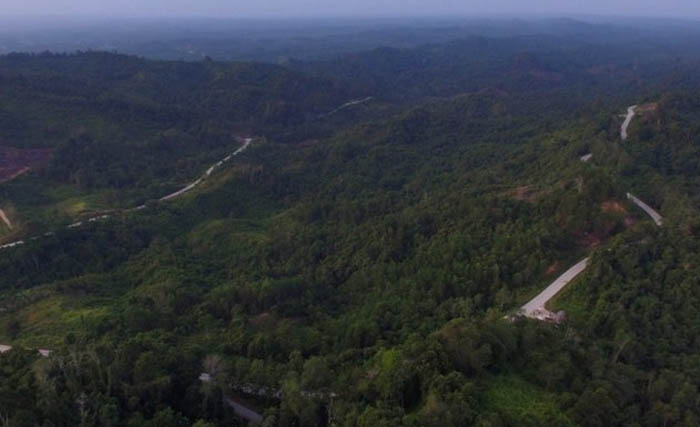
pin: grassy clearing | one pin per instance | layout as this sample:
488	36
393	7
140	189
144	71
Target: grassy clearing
523	402
572	299
45	323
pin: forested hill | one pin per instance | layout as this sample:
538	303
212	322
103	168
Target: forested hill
125	88
515	64
365	274
115	130
376	264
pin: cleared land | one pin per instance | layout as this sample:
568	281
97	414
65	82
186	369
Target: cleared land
16	161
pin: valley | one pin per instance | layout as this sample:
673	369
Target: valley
359	260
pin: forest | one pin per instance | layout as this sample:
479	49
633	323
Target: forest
357	264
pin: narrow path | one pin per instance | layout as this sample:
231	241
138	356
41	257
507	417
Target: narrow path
628	120
658	219
5	219
536	305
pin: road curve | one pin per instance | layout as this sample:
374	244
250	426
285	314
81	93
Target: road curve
171	196
626	123
189	187
548	293
658	219
535	308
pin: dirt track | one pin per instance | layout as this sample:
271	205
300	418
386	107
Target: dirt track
5	219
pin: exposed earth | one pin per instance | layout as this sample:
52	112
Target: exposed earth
16	161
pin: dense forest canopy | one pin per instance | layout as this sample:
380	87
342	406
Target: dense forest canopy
359	262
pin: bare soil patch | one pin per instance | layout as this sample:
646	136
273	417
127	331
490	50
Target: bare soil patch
589	240
553	268
16	161
524	193
613	206
647	108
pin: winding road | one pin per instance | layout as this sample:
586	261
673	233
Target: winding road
184	190
535	308
658	219
191	186
628	120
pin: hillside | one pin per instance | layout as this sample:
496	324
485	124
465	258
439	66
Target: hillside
92	132
353	269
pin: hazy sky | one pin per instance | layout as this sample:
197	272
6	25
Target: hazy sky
281	8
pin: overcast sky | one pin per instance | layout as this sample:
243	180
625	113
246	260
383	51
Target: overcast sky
297	8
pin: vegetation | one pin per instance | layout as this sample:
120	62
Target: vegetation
353	270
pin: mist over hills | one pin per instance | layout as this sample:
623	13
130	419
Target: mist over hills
277	40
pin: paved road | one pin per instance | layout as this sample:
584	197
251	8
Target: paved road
540	300
189	187
538	303
12	244
346	105
184	190
626	123
658	219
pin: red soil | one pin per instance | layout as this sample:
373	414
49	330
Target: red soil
613	206
552	268
16	161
